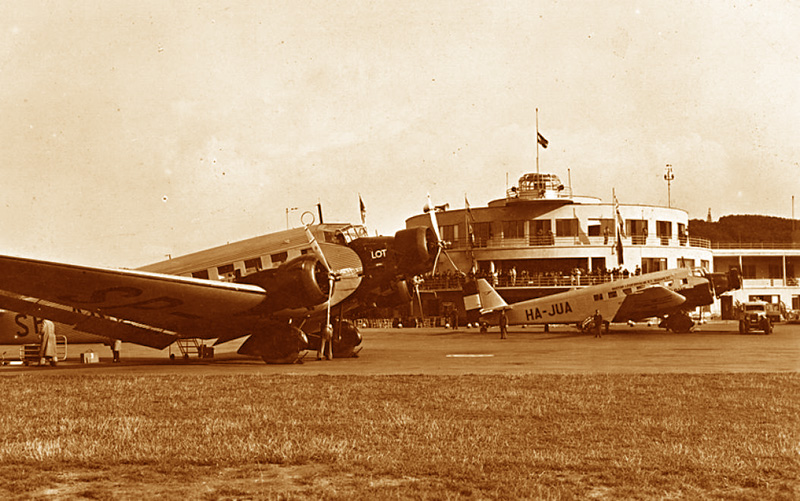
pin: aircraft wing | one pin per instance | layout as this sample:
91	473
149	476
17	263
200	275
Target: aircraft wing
118	300
652	301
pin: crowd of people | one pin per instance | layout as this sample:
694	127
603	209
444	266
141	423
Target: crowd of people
524	278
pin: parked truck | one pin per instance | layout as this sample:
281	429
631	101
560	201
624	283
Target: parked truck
754	316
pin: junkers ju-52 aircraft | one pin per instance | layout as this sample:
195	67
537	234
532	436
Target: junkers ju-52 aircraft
668	295
278	290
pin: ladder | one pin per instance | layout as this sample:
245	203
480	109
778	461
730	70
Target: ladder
191	346
29	353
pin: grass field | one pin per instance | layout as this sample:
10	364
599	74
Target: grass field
730	436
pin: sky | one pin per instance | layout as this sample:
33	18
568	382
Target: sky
133	131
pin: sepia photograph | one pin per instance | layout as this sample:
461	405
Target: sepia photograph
400	250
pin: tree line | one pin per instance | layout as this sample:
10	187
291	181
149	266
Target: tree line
745	229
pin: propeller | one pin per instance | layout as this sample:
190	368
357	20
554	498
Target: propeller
431	210
332	276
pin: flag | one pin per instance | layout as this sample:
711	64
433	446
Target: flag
620	230
540	138
620	221
363	210
469	221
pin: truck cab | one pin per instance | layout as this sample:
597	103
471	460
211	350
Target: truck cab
753	316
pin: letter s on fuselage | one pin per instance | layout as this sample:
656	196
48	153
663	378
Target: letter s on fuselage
18	327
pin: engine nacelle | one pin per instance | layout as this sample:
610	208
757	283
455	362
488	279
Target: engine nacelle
389	263
724	282
300	283
416	249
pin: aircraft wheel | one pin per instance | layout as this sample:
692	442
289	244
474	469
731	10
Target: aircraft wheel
679	323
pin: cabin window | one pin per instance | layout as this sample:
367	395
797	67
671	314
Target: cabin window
200	274
252	265
598	297
226	272
612	294
627	291
279	257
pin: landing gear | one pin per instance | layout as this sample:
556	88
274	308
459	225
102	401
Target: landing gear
678	322
276	343
346	338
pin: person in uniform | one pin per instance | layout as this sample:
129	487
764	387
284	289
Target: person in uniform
116	347
598	324
47	350
503	324
326	343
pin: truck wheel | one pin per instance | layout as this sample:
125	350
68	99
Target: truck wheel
744	327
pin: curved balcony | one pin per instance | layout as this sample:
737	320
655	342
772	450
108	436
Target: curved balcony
500	242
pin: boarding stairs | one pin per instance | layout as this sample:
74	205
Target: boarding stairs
29	353
191	346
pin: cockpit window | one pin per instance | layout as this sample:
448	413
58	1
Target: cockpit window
348	233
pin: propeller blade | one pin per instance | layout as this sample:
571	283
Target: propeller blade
431	210
317	250
449	259
331	285
419	299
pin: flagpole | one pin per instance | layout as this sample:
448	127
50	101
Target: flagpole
537	140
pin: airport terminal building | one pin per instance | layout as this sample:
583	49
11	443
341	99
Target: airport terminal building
540	239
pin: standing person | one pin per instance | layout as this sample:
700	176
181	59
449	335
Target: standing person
503	324
47	350
326	343
116	347
598	324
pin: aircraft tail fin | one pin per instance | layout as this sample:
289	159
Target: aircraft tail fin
481	297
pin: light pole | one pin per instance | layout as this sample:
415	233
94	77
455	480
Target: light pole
289	209
669	176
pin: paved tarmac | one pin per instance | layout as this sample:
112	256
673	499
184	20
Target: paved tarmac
715	347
